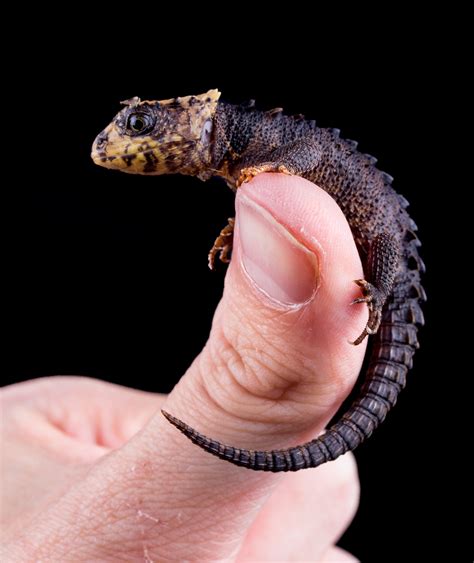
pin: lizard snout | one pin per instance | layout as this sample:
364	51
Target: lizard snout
99	148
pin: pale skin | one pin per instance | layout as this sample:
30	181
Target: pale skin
92	471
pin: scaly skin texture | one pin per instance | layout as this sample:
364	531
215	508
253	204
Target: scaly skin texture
198	135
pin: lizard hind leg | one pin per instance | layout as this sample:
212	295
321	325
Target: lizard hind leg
383	262
222	245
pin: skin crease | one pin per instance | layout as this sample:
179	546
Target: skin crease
92	471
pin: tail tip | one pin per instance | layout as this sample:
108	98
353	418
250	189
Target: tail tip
171	419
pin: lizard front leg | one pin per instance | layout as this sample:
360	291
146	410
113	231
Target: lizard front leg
222	245
295	158
383	262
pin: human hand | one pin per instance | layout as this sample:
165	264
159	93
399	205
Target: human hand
92	471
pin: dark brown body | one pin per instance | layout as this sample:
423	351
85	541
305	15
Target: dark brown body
243	142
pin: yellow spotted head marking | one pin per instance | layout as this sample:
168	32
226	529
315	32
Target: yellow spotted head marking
159	137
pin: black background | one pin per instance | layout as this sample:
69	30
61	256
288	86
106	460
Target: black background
106	273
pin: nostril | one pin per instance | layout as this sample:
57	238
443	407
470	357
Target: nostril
101	140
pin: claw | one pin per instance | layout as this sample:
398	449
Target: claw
224	254
360	300
360	339
211	259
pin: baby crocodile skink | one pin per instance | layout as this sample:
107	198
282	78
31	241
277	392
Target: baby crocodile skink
204	137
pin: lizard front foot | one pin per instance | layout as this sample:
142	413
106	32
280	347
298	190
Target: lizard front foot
375	300
246	174
222	245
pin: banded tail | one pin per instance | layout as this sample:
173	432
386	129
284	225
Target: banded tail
391	358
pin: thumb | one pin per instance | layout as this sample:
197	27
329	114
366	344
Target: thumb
277	364
275	369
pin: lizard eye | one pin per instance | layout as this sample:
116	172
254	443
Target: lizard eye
139	123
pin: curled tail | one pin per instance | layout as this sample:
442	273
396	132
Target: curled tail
391	358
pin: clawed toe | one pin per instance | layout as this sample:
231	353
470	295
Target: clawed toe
222	246
375	300
360	300
371	328
367	292
246	174
223	252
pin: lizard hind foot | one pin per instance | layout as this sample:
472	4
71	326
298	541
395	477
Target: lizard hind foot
375	300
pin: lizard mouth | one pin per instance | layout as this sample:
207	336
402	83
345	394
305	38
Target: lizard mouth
109	154
127	155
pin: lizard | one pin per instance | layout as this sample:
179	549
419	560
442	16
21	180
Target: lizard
204	137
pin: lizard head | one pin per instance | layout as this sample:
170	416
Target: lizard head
159	137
